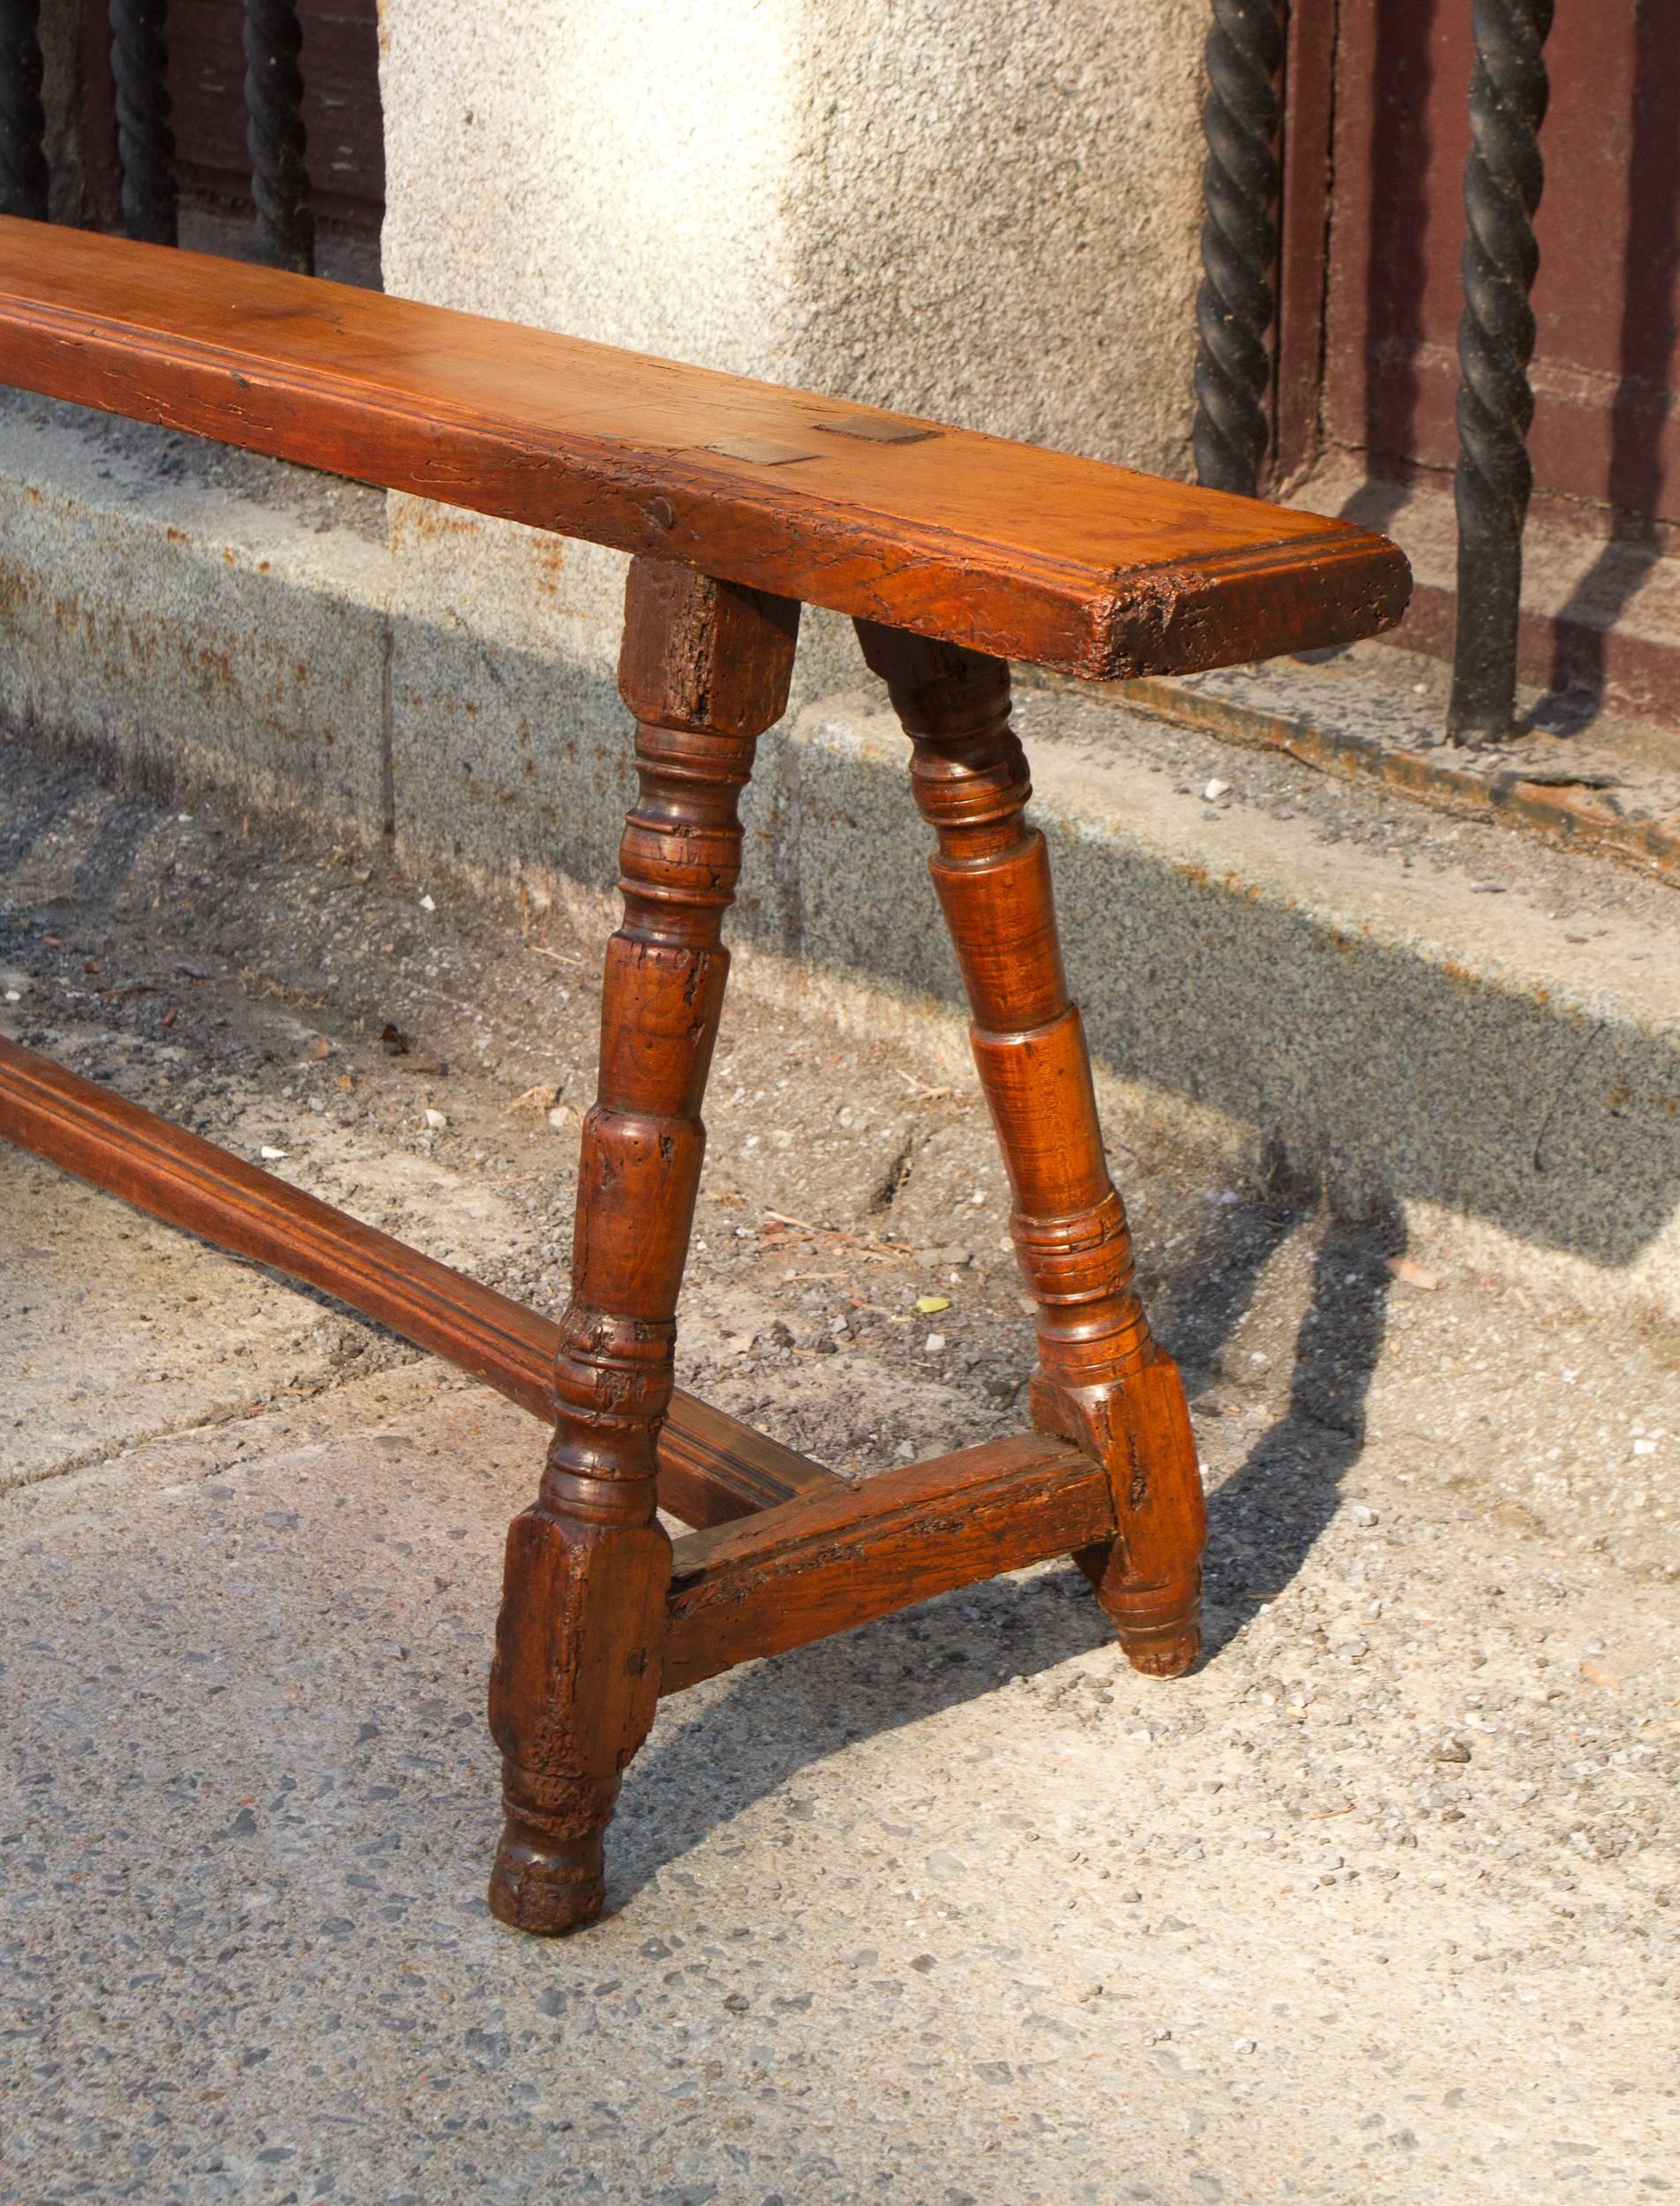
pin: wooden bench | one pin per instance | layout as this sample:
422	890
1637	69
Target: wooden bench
954	553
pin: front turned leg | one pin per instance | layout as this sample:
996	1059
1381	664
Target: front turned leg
705	669
1103	1381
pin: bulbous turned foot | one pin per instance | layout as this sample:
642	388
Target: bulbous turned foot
1163	1651
1160	1631
546	1885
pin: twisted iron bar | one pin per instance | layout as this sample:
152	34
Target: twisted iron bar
145	142
275	135
1235	305
23	121
1503	178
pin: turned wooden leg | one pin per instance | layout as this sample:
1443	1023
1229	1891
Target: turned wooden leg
705	669
1102	1380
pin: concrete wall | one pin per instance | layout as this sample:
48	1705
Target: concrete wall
985	212
988	213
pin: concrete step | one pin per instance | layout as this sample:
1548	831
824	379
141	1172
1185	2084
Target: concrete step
1439	1016
1314	979
1601	617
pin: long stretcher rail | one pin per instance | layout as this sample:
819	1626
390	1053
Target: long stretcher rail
712	1468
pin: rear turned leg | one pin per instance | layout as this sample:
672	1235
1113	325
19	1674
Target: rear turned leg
1103	1380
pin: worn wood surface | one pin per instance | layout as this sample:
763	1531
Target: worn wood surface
1103	1380
705	667
956	552
1067	563
711	1467
830	1561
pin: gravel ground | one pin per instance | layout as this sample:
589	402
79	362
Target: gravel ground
954	1909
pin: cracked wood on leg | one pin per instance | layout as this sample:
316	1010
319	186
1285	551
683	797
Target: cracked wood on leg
705	669
1103	1381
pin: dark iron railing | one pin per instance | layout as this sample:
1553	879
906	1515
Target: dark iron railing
1502	177
274	133
23	122
1236	312
1236	305
145	139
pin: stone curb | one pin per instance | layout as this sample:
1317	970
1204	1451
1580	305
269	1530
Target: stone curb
1397	1041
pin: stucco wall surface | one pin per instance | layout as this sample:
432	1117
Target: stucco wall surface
989	214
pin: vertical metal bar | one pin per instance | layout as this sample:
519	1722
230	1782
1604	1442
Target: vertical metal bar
1502	177
276	134
145	142
1236	306
23	121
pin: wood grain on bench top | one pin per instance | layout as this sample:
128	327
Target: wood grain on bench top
1070	564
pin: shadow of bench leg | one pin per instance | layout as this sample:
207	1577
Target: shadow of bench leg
705	669
1103	1381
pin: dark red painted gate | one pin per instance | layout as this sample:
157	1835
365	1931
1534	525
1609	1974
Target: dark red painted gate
1607	298
340	70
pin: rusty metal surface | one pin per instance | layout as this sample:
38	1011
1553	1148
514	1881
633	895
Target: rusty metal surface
1607	294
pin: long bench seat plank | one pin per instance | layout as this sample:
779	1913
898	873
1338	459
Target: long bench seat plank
1074	565
712	1468
830	1561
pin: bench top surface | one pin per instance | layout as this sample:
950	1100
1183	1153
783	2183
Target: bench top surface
1076	565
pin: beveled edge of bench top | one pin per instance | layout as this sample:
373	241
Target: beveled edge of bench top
1074	565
